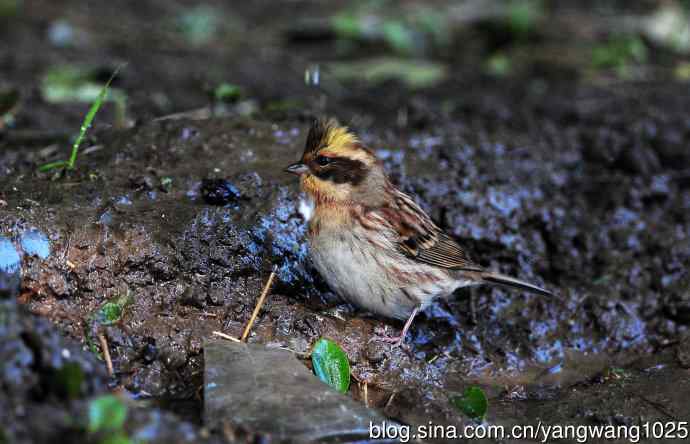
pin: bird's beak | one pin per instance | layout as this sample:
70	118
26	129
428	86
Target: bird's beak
297	168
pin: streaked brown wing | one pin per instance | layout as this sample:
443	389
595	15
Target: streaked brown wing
422	240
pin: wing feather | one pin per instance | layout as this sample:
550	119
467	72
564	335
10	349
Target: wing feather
419	238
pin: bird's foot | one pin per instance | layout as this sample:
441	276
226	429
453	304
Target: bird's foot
396	341
381	335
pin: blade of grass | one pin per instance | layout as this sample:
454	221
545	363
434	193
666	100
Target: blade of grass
89	118
86	124
52	165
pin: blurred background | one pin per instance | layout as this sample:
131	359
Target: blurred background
368	60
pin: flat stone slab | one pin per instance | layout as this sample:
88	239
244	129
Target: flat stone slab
269	391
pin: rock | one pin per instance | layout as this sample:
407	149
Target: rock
270	391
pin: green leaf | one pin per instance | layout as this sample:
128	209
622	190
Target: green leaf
473	403
111	312
106	413
227	92
331	364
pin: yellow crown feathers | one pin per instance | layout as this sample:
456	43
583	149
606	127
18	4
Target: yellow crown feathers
328	133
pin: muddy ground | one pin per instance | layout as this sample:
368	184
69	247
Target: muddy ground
576	180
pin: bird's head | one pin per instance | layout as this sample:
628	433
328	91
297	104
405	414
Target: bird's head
336	168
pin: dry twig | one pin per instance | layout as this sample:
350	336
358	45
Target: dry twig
366	394
259	304
106	353
390	401
224	336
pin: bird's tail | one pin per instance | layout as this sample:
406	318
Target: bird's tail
501	279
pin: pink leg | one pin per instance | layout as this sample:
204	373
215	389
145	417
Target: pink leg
397	341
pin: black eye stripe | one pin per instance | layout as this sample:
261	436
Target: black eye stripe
342	170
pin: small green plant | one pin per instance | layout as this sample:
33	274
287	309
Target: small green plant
227	92
619	53
111	312
86	124
473	403
107	314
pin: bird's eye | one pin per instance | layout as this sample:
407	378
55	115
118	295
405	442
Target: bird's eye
323	160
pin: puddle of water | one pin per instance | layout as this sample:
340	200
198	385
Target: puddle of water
35	243
10	262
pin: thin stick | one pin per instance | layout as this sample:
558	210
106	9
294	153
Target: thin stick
265	291
106	353
366	394
224	336
390	401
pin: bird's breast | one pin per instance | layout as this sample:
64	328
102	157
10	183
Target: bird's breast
365	268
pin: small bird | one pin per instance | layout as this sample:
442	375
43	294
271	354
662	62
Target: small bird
371	242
